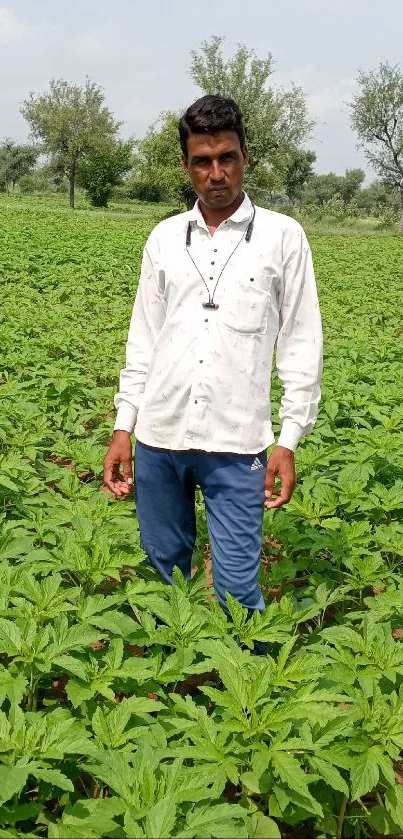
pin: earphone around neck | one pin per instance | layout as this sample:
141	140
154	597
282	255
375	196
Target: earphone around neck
247	237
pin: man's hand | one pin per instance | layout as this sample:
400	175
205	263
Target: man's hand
281	465
119	453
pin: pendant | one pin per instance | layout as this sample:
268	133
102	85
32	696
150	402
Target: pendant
210	305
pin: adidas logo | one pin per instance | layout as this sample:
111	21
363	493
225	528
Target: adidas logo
256	465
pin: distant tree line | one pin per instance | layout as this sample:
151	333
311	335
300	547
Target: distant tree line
76	141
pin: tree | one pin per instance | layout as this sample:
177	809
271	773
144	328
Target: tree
15	161
299	171
320	189
276	121
103	168
70	121
377	117
351	184
377	197
158	162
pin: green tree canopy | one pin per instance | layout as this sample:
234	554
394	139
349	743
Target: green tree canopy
103	168
299	171
276	120
320	189
377	197
377	116
70	121
15	161
158	162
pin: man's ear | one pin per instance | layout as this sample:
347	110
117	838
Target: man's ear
185	163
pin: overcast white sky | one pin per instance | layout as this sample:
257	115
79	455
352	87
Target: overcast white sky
139	52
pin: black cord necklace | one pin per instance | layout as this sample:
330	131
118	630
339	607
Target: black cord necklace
247	236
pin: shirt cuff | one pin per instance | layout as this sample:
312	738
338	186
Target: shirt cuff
125	419
290	435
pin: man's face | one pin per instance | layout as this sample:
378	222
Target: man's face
216	164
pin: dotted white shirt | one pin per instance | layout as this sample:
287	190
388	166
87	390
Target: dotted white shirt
199	378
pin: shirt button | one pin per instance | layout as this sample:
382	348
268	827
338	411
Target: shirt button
201	361
205	320
215	250
213	263
211	278
195	401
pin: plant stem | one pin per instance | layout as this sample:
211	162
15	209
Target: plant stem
340	820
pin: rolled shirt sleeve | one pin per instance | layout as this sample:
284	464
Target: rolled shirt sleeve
299	354
146	322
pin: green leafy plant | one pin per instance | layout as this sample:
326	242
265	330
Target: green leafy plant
130	708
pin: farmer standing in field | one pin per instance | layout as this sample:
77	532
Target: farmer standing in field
219	286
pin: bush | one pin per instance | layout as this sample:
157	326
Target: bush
387	218
145	191
41	180
103	169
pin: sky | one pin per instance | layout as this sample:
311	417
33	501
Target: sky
139	52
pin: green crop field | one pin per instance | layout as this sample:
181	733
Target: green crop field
131	709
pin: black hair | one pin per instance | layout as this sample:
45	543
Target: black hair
209	115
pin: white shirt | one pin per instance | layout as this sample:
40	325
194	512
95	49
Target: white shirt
197	378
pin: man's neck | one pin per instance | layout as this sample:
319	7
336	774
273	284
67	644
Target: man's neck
213	218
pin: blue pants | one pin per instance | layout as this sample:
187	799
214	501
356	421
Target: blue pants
233	491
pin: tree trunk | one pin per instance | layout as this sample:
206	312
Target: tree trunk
400	225
72	179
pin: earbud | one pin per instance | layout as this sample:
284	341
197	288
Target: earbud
249	232
188	234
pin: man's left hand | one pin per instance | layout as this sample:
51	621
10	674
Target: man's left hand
281	465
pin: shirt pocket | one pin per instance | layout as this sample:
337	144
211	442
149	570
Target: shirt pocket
248	310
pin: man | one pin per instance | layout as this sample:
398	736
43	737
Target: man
219	286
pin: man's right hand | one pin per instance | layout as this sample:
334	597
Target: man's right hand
119	454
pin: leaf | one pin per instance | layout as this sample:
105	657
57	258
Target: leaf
264	827
88	819
78	692
54	777
71	665
19	813
12	780
132	827
161	818
218	820
115	622
364	774
140	705
330	774
12	686
381	821
394	804
8	483
10	637
290	772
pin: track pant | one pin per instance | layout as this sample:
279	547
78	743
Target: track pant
233	489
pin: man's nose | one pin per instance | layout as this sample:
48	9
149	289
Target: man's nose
216	171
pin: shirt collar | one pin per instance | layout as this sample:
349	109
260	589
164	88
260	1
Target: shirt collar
242	214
